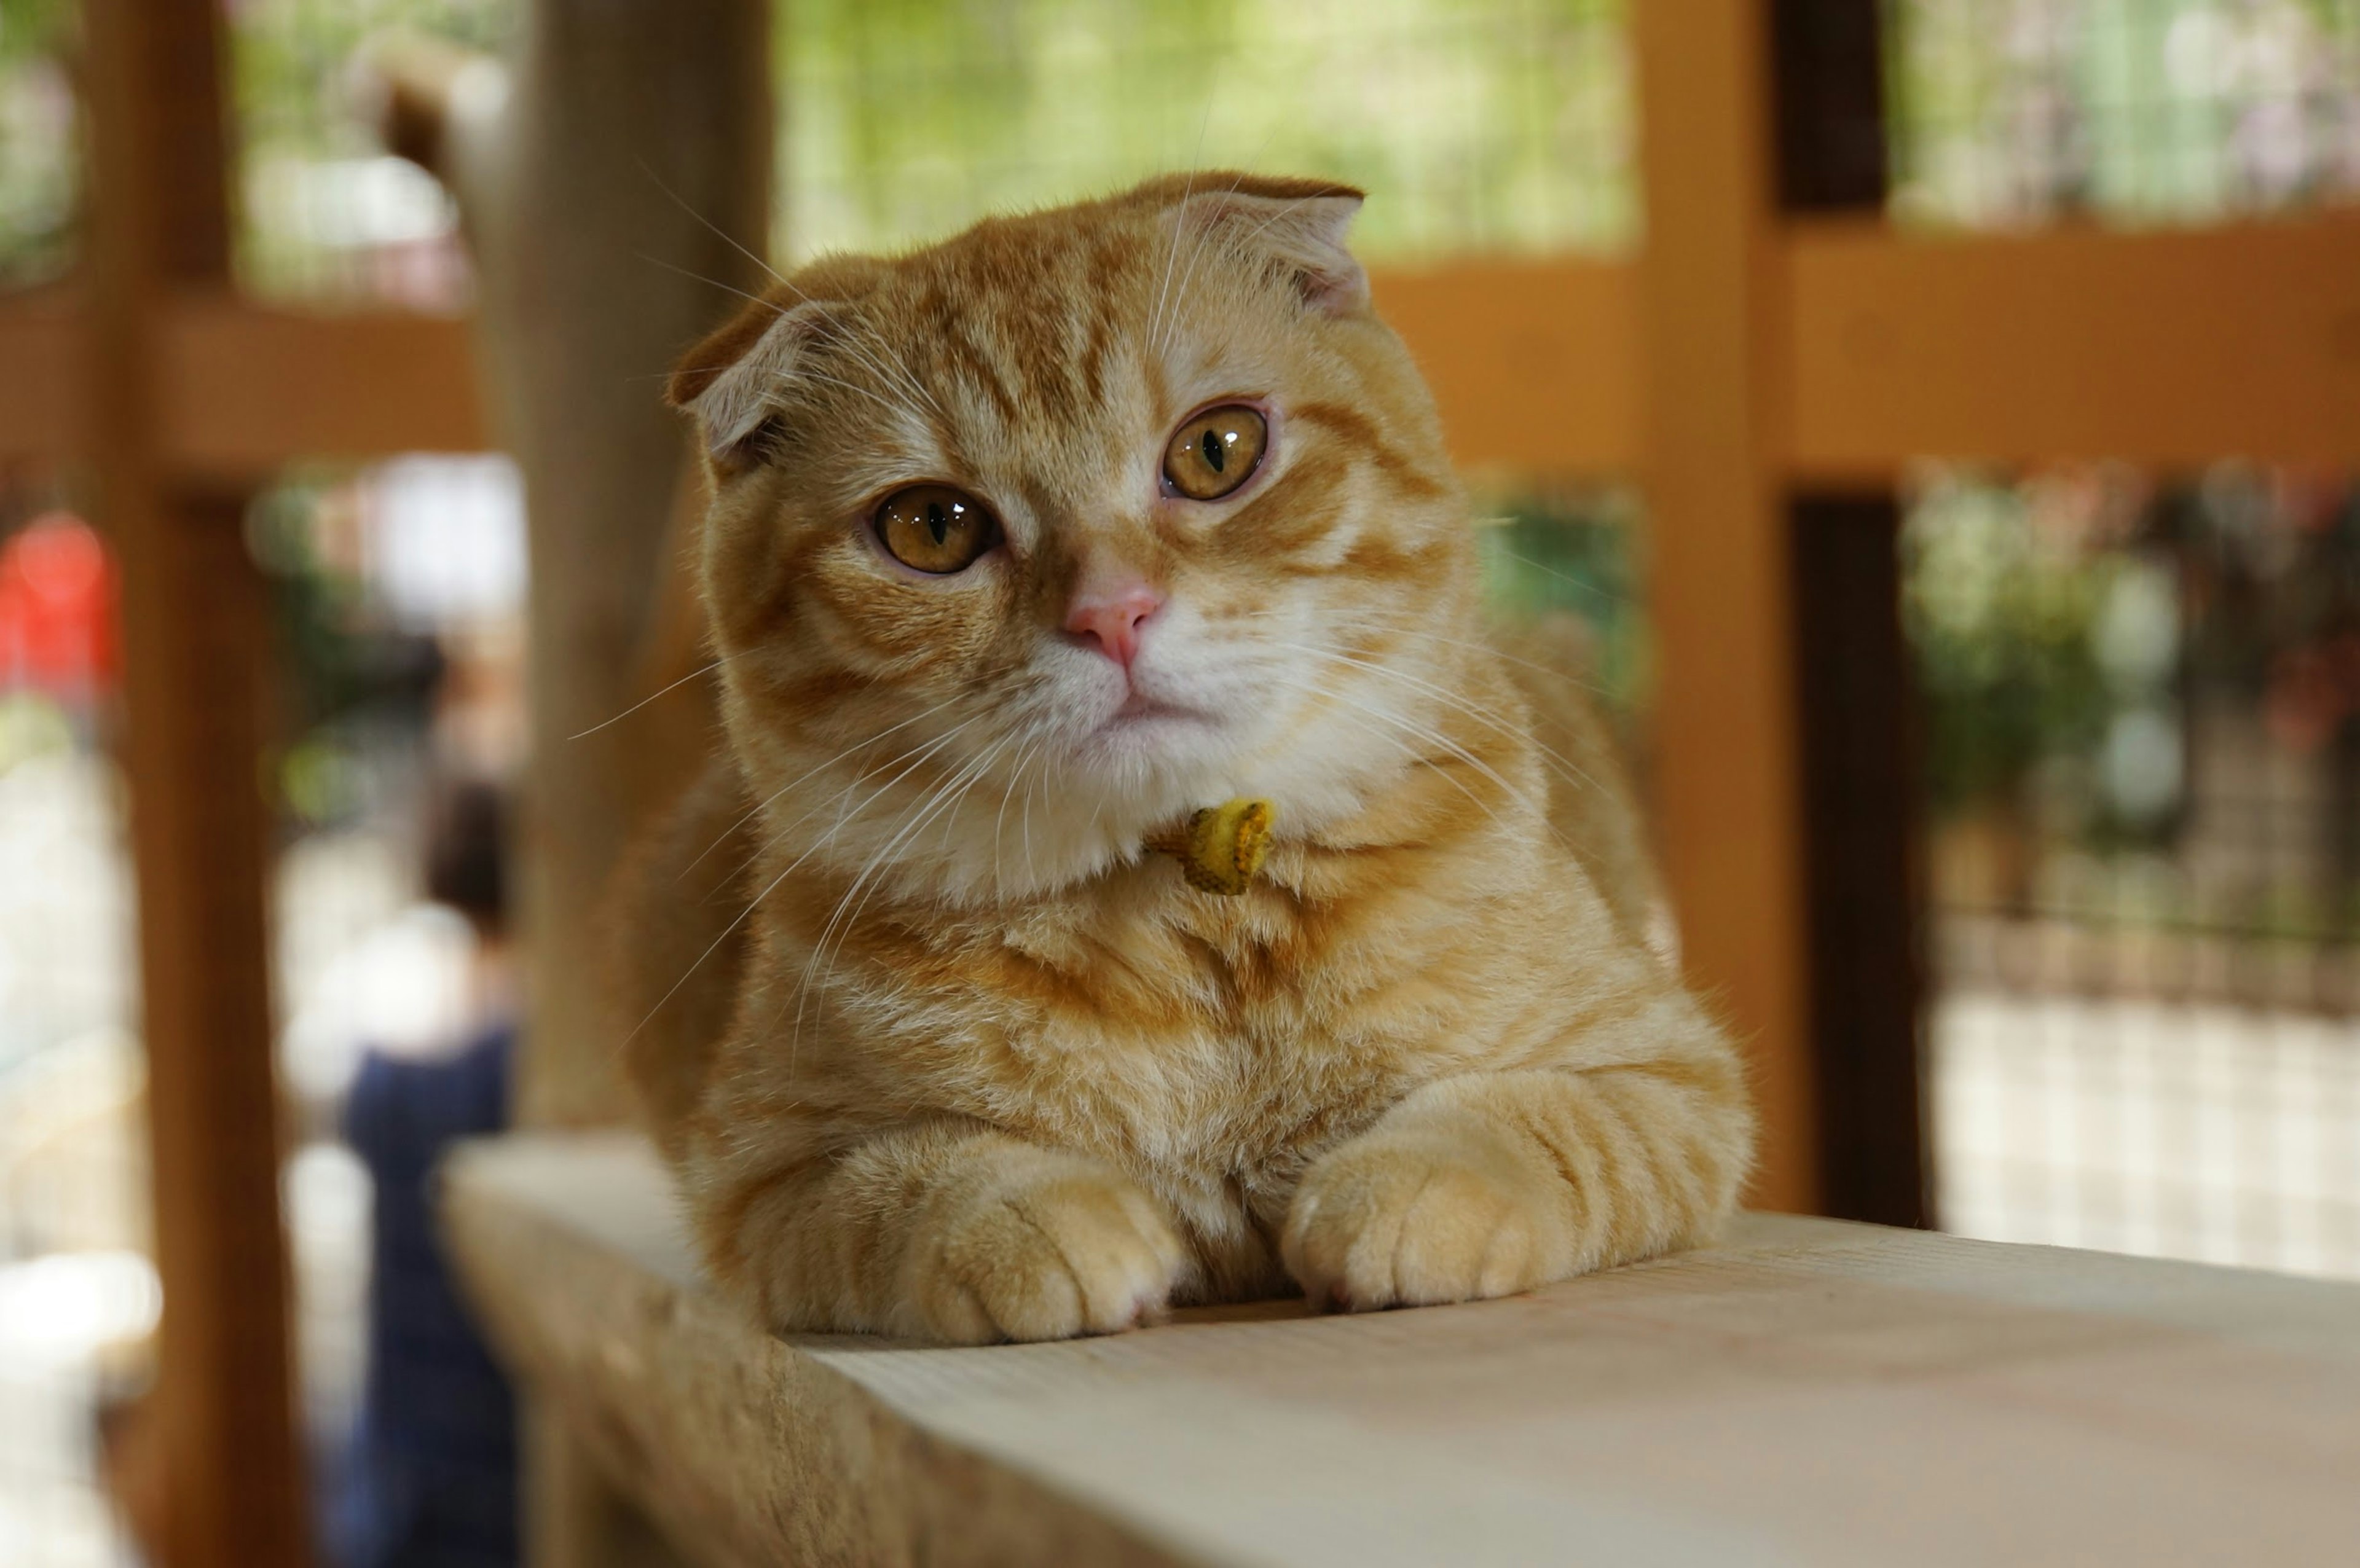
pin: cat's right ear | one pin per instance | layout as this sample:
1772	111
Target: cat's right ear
730	380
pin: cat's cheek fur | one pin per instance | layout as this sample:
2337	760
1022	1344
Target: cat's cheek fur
1062	1248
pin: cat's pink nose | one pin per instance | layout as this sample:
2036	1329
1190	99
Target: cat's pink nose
1112	617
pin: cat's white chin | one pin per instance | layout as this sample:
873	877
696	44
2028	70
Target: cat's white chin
1143	737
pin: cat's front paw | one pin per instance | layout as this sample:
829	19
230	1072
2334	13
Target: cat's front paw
1400	1222
1075	1253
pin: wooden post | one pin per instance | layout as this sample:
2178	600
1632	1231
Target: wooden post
636	164
196	633
1856	686
1726	745
1784	770
617	207
1855	690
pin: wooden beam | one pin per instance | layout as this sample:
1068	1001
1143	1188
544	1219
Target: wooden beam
1534	364
244	388
196	635
2171	350
41	370
1726	792
2058	347
241	390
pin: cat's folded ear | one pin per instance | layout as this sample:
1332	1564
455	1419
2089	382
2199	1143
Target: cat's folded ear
728	380
1297	225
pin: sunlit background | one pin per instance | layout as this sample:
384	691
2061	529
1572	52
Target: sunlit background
2140	701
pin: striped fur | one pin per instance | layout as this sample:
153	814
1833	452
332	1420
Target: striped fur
989	1071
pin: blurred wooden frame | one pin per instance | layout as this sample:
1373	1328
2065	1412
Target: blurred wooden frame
2046	347
1749	364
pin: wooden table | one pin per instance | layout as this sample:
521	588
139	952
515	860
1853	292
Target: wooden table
1808	1391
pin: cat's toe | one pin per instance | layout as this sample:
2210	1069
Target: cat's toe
1384	1227
1052	1262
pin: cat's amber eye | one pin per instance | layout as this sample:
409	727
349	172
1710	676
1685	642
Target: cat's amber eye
932	528
1216	452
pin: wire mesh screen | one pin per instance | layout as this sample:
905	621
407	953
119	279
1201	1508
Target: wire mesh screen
1478	125
2021	111
2142	716
2145	791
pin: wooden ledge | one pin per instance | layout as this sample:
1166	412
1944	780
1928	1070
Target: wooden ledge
1808	1391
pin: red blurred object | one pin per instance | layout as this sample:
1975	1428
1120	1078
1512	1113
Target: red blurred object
57	610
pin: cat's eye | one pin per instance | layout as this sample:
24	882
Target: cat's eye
934	528
1215	452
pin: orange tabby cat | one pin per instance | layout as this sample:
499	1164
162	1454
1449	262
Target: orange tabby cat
1021	549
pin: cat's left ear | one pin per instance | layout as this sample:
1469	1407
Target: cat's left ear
728	380
1297	225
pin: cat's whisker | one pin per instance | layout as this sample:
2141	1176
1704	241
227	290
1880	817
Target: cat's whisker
899	375
651	696
754	903
1618	601
764	804
805	373
1170	254
905	383
723	235
1041	779
1564	766
999	823
1434	738
1393	617
696	276
917	756
1204	237
1412	754
945	794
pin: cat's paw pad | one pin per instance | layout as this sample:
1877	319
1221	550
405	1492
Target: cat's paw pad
1047	1261
1387	1224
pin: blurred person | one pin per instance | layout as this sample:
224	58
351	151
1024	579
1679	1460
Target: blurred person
430	1475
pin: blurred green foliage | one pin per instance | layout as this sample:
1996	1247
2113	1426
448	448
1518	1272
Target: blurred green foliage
38	168
345	671
2001	620
1477	124
1577	552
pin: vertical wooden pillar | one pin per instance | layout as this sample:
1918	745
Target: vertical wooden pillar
616	201
196	632
637	181
1855	691
617	208
1727	749
1861	845
1783	768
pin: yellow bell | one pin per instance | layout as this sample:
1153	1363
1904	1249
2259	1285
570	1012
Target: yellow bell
1222	846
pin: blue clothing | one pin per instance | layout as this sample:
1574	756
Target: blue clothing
431	1480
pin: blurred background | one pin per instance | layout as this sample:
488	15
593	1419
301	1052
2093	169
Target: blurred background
2133	692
